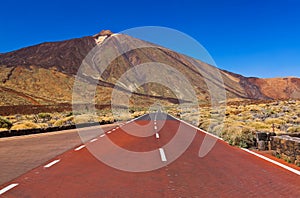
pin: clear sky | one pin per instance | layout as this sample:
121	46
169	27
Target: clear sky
251	37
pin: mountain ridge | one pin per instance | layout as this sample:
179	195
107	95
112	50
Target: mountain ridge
46	72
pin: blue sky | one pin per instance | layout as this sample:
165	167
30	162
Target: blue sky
252	38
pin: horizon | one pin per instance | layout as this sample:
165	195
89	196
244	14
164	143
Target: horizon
264	44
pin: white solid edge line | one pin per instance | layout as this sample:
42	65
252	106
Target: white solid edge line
7	188
79	148
129	121
102	135
51	163
258	155
136	118
273	161
197	128
162	155
157	135
93	140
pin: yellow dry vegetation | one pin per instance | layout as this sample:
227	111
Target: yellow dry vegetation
25	125
64	121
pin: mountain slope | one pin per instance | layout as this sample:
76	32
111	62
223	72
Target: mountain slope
60	55
44	74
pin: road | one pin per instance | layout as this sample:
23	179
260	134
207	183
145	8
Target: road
21	154
98	168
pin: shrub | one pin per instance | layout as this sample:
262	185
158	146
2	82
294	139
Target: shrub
25	125
293	129
259	125
69	114
274	121
64	121
287	159
217	130
106	120
238	136
44	115
121	117
137	114
207	124
4	123
43	125
85	118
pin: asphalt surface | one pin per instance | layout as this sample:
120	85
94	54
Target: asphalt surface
100	169
21	154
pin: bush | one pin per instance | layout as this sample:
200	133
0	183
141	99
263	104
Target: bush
85	118
44	116
293	129
207	124
274	121
106	120
69	114
259	125
25	125
64	121
238	136
4	123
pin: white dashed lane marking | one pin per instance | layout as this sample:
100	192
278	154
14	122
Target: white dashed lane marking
162	155
7	188
51	163
108	132
157	135
93	140
102	135
155	127
79	148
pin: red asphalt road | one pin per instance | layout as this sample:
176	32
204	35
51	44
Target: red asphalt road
224	172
